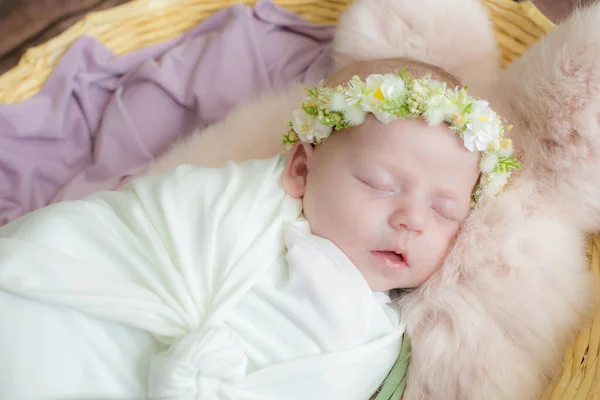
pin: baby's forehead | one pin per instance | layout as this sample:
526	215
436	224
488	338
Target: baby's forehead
398	135
386	66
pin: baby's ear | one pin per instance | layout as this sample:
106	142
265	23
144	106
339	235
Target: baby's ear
296	170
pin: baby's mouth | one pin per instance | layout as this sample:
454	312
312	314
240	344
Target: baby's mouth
392	259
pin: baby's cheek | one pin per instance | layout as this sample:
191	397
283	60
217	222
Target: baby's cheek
439	249
433	262
332	223
340	213
348	227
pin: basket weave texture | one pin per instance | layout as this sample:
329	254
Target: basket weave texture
140	23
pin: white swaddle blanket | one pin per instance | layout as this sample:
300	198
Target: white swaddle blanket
180	287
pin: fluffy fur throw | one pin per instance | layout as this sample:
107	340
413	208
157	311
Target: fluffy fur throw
492	324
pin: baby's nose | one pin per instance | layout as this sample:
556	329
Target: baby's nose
409	217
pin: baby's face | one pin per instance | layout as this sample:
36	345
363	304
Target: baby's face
391	197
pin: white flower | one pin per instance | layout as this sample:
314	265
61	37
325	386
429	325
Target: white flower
488	163
441	111
381	88
419	88
436	87
457	95
481	109
493	184
355	92
494	146
435	115
392	87
321	132
436	93
476	138
506	148
483	127
354	115
384	117
373	94
308	127
337	102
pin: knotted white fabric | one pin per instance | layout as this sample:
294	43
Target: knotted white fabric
200	284
197	365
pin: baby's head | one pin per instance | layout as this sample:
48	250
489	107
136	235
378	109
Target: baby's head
391	195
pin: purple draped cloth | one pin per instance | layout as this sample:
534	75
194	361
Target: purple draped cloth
100	116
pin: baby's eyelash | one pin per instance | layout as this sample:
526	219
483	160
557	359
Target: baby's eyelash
442	214
376	187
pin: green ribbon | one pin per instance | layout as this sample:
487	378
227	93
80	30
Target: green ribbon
394	384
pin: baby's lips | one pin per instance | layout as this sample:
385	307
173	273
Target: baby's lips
392	258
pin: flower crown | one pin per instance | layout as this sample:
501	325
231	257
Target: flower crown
399	96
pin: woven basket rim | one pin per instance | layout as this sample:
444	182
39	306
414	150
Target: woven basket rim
33	68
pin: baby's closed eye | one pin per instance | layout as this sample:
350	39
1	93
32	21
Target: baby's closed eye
378	183
445	208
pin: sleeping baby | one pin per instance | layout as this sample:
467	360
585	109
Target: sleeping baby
264	279
391	190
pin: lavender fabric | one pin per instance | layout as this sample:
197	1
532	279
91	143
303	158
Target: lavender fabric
99	117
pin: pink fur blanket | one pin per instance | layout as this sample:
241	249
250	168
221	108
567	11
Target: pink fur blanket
493	322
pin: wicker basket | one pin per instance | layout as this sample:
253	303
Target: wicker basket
143	22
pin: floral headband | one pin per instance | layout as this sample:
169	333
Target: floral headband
399	96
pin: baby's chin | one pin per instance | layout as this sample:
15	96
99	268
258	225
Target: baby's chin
386	286
385	276
379	282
